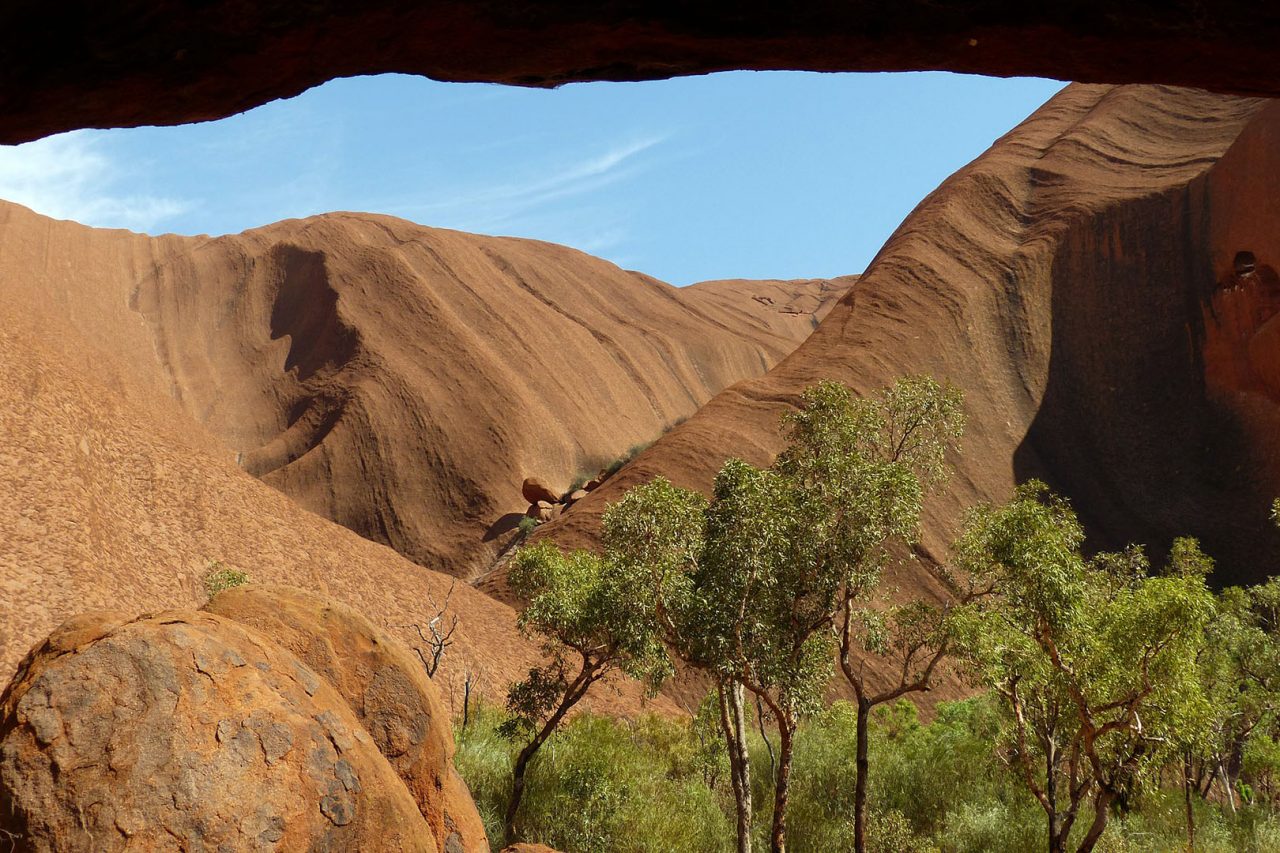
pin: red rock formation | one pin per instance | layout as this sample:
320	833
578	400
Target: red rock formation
1242	343
534	490
134	62
115	499
400	380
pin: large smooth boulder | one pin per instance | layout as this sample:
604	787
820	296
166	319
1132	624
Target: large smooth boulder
387	688
190	731
535	491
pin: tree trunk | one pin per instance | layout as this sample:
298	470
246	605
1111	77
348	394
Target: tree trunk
1226	786
1101	812
733	724
860	779
576	691
517	784
1057	843
778	834
466	701
768	744
1186	795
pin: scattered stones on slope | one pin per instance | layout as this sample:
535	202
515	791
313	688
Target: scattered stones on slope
534	491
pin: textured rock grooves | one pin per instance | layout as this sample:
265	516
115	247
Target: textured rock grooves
169	61
1099	283
1061	280
402	380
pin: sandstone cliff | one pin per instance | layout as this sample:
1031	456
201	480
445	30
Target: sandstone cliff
399	380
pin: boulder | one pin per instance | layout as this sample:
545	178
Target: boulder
188	730
575	496
535	490
593	484
547	511
386	687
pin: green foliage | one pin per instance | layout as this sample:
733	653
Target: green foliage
1095	660
219	577
1107	678
600	785
941	786
1240	674
709	755
609	788
526	525
606	609
484	758
1260	760
786	545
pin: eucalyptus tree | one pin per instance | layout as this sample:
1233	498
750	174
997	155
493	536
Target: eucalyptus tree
1095	660
876	458
1240	672
787	548
599	614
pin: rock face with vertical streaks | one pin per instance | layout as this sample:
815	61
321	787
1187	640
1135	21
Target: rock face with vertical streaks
397	379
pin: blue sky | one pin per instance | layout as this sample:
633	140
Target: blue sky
742	175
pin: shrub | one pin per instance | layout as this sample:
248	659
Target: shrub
220	577
600	785
484	758
654	784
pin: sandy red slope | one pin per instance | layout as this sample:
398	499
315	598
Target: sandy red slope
1070	281
400	379
403	380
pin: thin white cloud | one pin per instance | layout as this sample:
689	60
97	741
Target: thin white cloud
484	208
70	177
